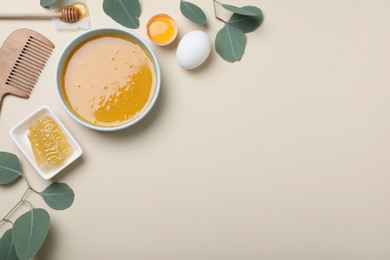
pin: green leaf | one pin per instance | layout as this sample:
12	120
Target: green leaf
247	23
239	10
9	167
193	12
58	196
46	3
124	12
230	43
7	248
30	232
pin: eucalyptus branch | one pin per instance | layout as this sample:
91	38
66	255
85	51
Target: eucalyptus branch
21	201
29	185
32	225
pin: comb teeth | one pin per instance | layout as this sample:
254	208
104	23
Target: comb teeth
29	64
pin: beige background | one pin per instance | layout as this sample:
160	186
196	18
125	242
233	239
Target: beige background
282	156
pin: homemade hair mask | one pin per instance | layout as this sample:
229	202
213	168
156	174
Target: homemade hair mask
108	80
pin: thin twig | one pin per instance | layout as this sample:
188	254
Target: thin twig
7	220
22	199
28	202
29	185
32	189
26	180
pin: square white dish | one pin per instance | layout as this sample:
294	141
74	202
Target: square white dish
19	135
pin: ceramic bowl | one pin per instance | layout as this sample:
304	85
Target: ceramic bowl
73	44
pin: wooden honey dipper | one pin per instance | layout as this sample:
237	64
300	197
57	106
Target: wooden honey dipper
68	14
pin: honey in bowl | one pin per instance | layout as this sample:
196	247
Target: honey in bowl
108	80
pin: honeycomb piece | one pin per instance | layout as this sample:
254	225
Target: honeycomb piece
33	136
49	145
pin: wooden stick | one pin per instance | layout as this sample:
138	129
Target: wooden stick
30	15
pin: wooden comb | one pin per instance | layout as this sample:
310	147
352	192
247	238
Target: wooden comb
22	57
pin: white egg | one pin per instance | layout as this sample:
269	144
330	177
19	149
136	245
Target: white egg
193	49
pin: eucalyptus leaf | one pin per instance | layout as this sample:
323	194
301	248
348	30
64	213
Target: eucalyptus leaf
29	232
10	168
124	12
58	196
230	43
7	248
46	3
247	23
193	12
239	10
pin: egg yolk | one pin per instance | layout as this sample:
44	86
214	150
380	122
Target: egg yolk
161	29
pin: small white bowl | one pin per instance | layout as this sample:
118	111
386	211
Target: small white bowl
82	38
19	135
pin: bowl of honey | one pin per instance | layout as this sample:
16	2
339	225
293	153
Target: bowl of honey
107	79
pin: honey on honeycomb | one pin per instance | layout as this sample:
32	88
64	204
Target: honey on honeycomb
49	145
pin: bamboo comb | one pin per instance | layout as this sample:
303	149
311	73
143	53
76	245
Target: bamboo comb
22	57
